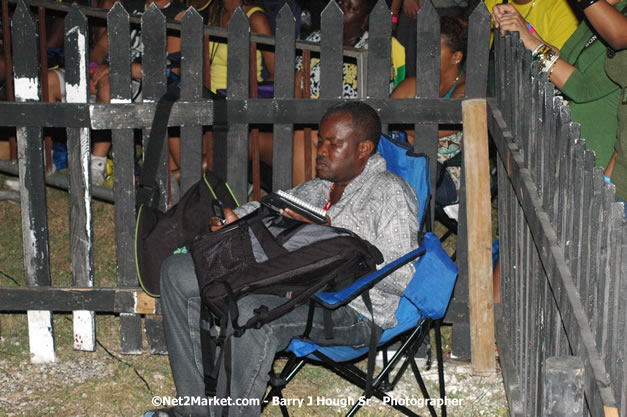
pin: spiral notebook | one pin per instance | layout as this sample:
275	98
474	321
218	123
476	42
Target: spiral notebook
280	200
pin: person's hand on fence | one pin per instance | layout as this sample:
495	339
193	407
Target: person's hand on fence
411	8
508	19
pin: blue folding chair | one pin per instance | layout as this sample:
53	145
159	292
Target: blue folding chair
421	307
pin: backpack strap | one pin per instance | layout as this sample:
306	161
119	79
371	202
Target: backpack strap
147	193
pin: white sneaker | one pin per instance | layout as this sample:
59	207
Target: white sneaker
98	166
12	184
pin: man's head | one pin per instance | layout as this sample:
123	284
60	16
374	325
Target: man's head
348	135
356	13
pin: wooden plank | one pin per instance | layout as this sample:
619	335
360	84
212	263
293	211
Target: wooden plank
479	221
237	87
548	127
124	179
525	108
154	84
198	113
130	334
613	341
32	186
478	55
191	89
155	335
458	312
514	85
578	216
102	300
609	248
428	65
510	377
379	38
588	297
331	51
561	141
535	167
283	133
539	283
569	195
79	145
508	66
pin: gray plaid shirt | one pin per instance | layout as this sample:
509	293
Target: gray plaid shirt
380	207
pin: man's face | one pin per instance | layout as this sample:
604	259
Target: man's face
355	17
340	155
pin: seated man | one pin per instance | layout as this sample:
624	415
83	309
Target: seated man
359	194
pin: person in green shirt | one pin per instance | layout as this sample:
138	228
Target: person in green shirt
578	71
611	24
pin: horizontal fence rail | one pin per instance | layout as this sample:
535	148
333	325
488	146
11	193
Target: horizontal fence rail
563	244
239	112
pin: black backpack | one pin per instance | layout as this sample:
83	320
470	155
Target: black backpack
265	253
157	234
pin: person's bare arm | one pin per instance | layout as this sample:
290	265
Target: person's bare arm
100	50
609	23
259	24
507	19
395	8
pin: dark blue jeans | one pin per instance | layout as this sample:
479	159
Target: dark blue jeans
252	354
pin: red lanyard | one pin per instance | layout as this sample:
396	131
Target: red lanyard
328	204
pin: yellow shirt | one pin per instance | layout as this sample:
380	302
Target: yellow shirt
218	57
554	20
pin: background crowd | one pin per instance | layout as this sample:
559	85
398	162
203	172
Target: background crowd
580	45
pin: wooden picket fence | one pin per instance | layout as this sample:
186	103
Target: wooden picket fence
563	251
191	113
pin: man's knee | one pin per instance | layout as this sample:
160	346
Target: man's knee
178	274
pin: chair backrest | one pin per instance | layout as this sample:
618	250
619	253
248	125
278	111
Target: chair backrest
413	167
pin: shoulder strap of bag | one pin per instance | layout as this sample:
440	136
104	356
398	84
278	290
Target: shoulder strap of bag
147	191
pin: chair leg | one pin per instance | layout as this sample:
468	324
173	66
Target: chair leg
423	387
438	348
292	367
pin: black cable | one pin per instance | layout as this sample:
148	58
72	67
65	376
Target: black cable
9	276
127	364
124	362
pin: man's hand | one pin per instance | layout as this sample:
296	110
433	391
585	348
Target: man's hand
217	224
293	215
411	8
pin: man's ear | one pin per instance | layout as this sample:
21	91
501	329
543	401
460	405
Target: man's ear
366	147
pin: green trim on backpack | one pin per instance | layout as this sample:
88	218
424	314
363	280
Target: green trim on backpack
204	177
139	276
139	213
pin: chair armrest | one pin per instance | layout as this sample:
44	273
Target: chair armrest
333	300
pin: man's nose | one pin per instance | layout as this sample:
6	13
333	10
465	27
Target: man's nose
322	149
